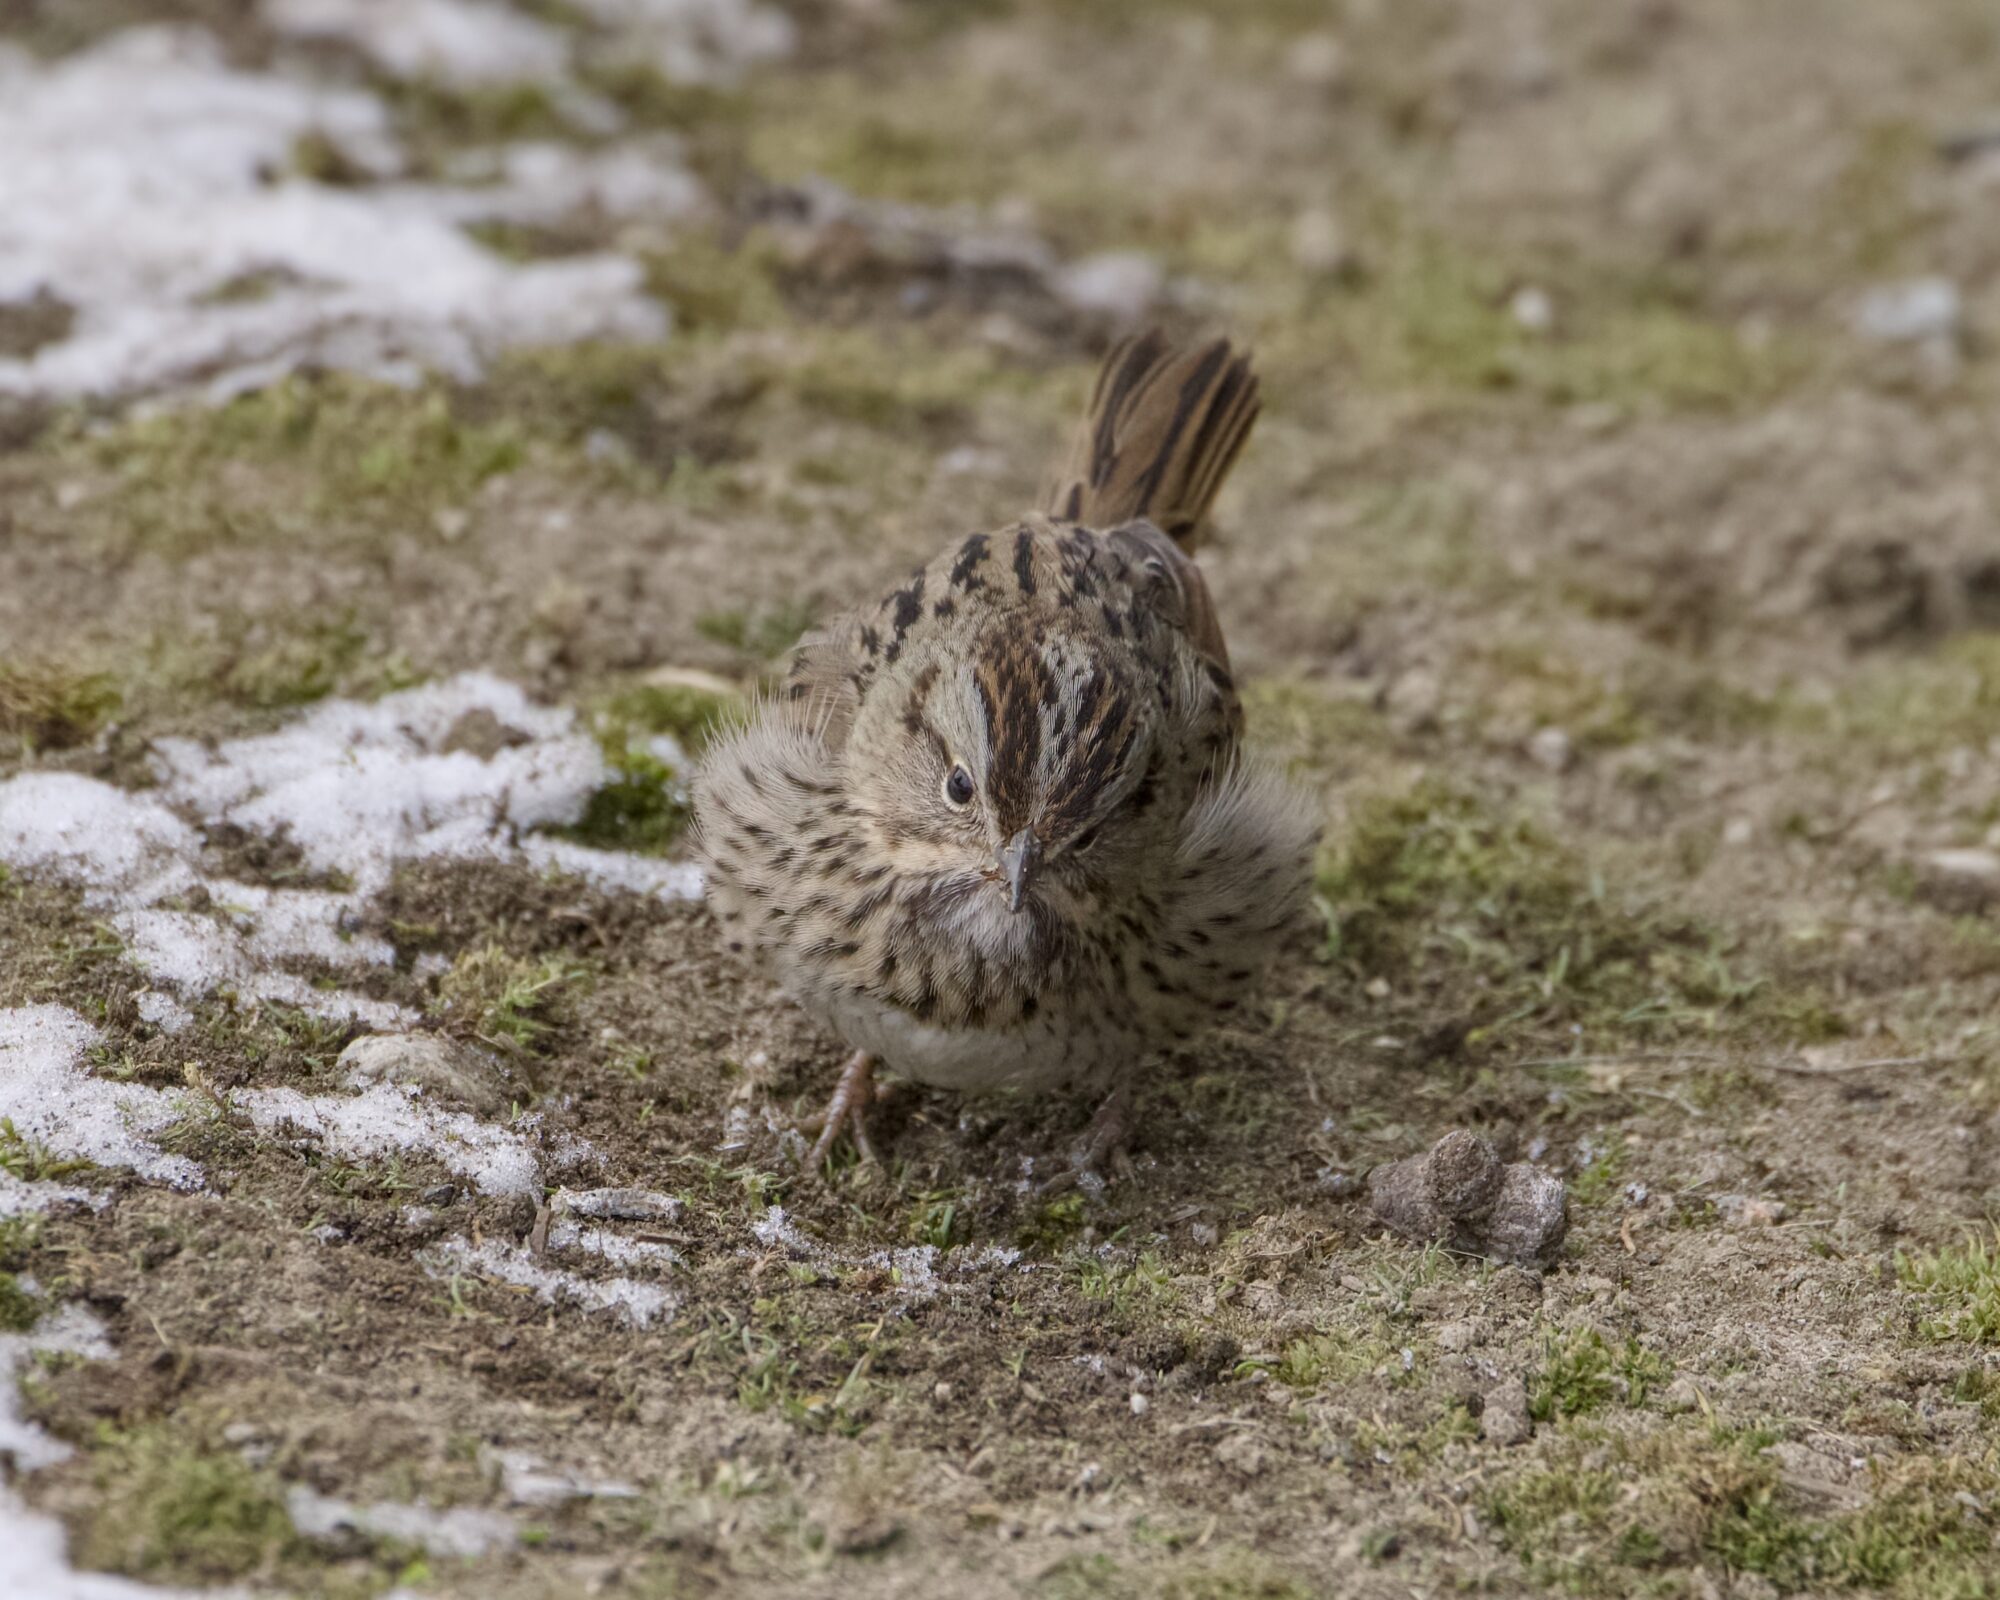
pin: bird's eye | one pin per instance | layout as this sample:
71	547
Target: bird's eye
1083	841
958	788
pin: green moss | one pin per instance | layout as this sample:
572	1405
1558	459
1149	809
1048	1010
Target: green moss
689	712
1581	1372
299	667
510	1002
764	633
1336	1355
713	285
1961	1286
18	1309
1898	707
642	808
935	1219
30	1161
288	462
1599	1179
1979	1386
168	1507
1055	1226
1232	1574
1613	1514
1125	1287
46	706
1433	313
1438	890
435	120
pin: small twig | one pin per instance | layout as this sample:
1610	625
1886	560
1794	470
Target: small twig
1671	1098
1805	1070
1203	1424
1623	1058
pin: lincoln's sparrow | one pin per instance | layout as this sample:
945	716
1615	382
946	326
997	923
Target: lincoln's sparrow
995	830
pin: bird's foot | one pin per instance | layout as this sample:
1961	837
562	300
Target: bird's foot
1103	1145
848	1109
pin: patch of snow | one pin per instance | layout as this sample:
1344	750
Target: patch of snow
33	1556
198	956
613	1247
138	190
452	41
113	845
777	1230
612	869
19	1197
917	1268
530	1481
464	1532
163	1011
537	183
389	1118
1911	312
51	1099
694	41
622	1205
358	788
638	1304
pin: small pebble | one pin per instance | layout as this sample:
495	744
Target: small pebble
1122	285
1318	60
1911	312
1552	749
1680	1396
1504	1419
1532	309
1140	1404
1319	246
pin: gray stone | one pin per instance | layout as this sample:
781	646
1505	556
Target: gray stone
1504	1419
1961	880
428	1061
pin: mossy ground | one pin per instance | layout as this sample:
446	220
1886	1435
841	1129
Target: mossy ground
1683	954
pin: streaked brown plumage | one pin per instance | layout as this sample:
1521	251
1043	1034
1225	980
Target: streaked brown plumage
996	830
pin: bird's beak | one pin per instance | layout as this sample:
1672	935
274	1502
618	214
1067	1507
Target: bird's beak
1018	858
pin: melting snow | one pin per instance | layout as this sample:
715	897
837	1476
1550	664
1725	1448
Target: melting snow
33	1561
138	190
358	788
19	1197
389	1118
916	1267
462	1531
53	1100
689	40
450	40
636	1303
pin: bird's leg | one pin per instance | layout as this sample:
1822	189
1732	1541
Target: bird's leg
1103	1144
847	1109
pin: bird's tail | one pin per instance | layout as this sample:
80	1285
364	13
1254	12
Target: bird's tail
1165	425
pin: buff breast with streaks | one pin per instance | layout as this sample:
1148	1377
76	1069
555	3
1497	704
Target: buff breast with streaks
996	830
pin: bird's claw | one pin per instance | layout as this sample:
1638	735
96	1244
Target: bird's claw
847	1110
1104	1144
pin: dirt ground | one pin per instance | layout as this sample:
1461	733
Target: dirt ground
1616	564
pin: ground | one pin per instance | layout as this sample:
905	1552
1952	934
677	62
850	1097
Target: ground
1621	575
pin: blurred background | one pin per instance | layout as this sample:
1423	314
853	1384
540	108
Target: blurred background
1617	556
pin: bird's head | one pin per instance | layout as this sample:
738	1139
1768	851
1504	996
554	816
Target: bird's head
1012	767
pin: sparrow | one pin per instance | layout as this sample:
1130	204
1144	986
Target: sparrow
996	830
